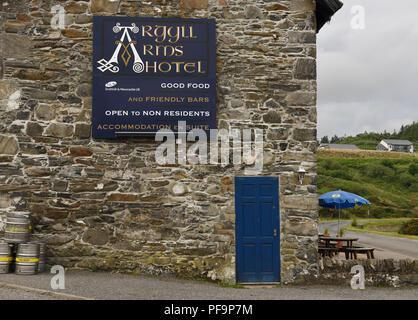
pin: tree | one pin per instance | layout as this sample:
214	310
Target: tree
325	139
335	139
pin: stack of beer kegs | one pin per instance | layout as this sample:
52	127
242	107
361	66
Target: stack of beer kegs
17	253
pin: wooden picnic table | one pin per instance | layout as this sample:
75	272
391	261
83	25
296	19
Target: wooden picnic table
328	240
349	250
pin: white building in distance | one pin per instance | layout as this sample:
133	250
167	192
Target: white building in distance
396	145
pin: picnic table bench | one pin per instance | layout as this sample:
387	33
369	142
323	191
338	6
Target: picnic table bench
327	251
328	246
351	252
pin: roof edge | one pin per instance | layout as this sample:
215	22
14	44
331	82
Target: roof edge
325	9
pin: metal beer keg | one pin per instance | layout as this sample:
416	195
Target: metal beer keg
17	227
5	257
42	256
27	258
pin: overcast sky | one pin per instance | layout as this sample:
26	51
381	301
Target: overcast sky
368	79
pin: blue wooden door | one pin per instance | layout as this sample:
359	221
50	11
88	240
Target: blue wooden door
257	229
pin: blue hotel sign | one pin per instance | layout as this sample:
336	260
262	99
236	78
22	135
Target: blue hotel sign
150	73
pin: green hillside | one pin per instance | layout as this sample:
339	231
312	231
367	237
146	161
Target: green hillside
369	141
391	185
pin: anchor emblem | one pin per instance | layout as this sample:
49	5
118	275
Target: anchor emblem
111	64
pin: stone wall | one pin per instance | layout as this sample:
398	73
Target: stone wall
106	205
384	272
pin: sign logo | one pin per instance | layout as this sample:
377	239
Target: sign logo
111	64
111	84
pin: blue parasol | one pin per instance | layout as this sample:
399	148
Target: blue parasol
341	200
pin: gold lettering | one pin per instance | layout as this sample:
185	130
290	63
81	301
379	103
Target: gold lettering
160	35
173	50
146	30
164	33
147	66
166	54
173	37
147	49
135	99
179	51
199	67
198	100
177	64
164	63
190	64
183	32
191	33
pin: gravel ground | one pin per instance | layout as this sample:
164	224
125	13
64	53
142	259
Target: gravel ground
118	286
15	294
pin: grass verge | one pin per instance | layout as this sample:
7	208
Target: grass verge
381	223
331	220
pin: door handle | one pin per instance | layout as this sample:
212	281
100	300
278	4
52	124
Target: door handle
275	233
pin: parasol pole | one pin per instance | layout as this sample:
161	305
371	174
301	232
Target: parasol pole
339	213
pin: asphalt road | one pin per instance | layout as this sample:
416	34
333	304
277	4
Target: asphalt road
398	247
118	286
